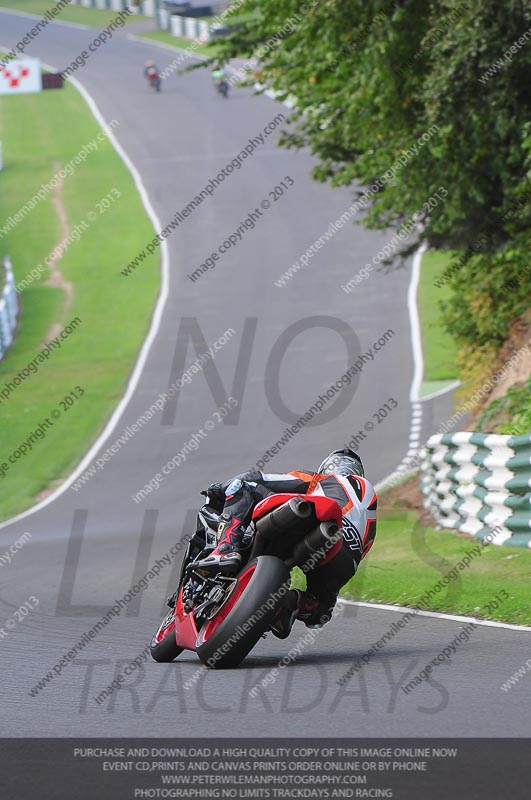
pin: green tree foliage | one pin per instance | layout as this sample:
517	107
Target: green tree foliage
370	78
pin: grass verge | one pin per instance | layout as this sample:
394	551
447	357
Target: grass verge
41	132
408	559
92	17
440	350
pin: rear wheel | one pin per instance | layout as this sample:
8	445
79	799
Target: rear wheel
163	646
225	640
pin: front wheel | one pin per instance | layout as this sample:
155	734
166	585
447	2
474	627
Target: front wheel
225	640
163	646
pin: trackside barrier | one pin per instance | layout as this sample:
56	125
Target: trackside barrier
177	25
190	27
145	7
9	309
477	482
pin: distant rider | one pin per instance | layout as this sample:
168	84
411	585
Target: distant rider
150	70
219	75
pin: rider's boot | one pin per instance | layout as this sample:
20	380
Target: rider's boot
287	614
303	606
227	555
233	535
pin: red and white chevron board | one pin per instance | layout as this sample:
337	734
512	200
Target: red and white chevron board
21	76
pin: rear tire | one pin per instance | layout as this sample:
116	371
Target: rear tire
269	576
163	646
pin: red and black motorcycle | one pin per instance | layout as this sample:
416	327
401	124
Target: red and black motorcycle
222	617
153	76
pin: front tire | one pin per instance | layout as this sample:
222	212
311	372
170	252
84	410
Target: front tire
163	646
228	638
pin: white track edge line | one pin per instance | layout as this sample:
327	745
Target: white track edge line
435	615
418	362
153	329
414	323
454	385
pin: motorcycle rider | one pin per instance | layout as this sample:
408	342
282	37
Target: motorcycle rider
219	75
150	70
341	477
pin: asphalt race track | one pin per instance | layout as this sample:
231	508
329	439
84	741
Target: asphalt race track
89	547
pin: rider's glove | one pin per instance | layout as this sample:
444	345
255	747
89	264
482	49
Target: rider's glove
216	495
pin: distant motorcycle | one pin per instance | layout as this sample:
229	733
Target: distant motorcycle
223	87
153	76
220	82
